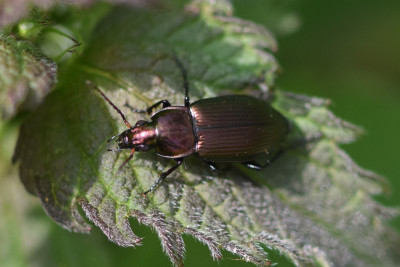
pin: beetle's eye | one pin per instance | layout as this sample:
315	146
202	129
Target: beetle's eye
126	139
140	123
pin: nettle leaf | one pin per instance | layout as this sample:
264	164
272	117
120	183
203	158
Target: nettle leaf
313	205
12	11
26	76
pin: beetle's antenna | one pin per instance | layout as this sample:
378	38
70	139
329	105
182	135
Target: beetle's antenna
185	82
112	104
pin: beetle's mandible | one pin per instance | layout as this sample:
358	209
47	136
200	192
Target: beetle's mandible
233	128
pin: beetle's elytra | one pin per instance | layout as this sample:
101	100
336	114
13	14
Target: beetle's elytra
235	128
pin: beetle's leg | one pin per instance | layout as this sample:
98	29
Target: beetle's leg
127	160
164	175
185	82
165	103
134	110
212	165
256	166
114	150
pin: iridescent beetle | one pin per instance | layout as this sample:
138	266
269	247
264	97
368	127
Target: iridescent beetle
233	128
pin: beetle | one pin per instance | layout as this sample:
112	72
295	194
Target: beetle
232	128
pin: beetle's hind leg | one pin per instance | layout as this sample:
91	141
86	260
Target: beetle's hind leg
212	165
256	166
164	175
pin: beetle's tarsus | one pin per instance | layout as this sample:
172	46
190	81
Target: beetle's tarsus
114	150
212	165
165	103
134	110
164	175
256	166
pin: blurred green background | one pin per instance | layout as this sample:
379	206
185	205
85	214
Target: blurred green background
347	51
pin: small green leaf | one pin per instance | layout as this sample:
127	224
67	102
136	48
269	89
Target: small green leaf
313	204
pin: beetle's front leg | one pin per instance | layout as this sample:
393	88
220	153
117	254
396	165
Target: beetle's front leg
164	175
165	103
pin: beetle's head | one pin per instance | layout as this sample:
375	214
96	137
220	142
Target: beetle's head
141	137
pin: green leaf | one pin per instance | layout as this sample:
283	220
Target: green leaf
26	76
313	204
12	12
